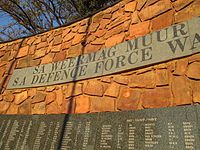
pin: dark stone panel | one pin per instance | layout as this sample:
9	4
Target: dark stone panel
150	129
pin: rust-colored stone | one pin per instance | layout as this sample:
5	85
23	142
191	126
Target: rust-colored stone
83	29
179	4
128	99
52	108
13	109
4	106
156	98
146	80
181	90
73	90
114	40
114	31
163	20
66	45
100	33
68	106
102	104
78	39
25	108
39	108
194	70
82	104
50	97
130	7
120	79
97	17
139	29
104	23
91	48
68	37
8	96
118	21
57	39
112	90
93	27
59	97
154	10
56	48
181	67
150	2
75	50
195	86
47	58
135	18
23	52
182	15
39	97
98	41
140	4
95	88
41	45
59	56
162	77
20	97
39	53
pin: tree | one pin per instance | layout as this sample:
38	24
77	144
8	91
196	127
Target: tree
34	16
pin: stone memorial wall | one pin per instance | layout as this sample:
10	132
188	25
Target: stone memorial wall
166	128
163	72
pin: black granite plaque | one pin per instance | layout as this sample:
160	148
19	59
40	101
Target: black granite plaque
175	128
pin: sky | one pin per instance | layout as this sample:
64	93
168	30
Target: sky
4	19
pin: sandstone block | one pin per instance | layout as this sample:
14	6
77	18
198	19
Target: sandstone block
52	108
128	99
39	53
162	77
194	70
130	7
112	90
47	58
163	20
41	45
95	88
75	50
102	104
195	86
139	29
56	48
114	40
57	39
82	104
59	56
73	90
21	97
39	97
154	10
50	97
181	67
8	97
78	39
156	98
25	108
39	108
12	110
23	52
4	106
59	97
181	90
179	4
146	80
